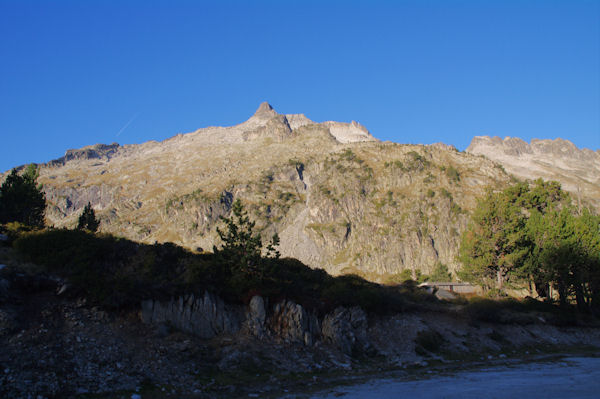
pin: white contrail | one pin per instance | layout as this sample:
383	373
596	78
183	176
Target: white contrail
128	123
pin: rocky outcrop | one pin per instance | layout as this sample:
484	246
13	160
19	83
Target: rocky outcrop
205	316
97	151
346	329
208	316
578	170
352	132
292	323
256	315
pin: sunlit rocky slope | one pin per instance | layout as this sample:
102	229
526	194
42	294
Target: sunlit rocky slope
578	170
339	199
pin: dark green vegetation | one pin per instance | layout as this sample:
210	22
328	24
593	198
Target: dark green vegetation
116	273
21	199
87	219
535	236
439	274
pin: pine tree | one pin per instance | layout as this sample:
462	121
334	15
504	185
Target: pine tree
494	246
21	199
87	219
243	248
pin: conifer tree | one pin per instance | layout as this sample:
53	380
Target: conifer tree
21	199
87	219
242	247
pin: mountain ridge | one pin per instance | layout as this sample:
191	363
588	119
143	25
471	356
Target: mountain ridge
340	199
578	170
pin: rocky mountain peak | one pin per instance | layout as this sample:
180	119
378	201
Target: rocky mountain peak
265	110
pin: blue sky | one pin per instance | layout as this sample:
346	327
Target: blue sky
75	73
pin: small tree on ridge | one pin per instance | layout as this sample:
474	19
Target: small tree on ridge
87	219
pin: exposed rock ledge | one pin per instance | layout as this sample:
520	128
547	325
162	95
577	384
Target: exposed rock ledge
350	330
207	316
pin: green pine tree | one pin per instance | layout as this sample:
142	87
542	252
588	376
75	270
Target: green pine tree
242	247
87	219
494	246
21	199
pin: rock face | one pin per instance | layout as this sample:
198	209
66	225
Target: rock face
578	170
292	323
338	198
205	316
208	316
346	329
256	316
98	151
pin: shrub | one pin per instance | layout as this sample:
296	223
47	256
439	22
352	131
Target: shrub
440	273
452	174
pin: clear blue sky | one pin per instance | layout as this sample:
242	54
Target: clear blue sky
74	73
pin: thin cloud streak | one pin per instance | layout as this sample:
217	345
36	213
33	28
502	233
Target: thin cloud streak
128	123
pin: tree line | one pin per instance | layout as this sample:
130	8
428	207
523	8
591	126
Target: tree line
533	234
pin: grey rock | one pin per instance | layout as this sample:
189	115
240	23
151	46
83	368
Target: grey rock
292	323
346	329
256	316
205	316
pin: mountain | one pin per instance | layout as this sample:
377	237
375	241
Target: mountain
578	170
338	198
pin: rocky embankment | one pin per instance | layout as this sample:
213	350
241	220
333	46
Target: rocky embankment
57	345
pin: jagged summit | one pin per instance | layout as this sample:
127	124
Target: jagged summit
267	122
265	110
264	107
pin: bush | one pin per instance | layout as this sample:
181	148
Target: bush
452	174
440	273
